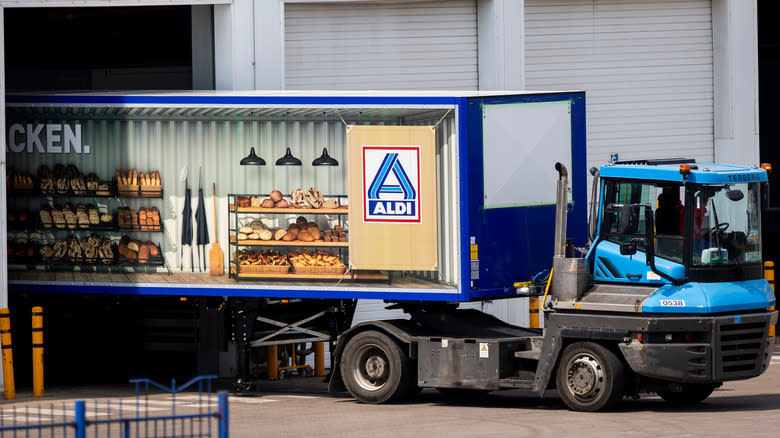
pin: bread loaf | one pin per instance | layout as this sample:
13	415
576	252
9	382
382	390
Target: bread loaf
268	203
143	253
276	196
279	233
266	234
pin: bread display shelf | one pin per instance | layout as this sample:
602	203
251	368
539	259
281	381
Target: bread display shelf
106	226
137	227
307	245
321	243
288	210
155	261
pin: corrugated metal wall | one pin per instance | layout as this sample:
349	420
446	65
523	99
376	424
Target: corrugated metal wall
646	65
423	45
182	149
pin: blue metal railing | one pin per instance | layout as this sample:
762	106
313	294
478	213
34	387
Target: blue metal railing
205	423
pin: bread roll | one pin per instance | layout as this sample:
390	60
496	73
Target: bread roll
267	203
282	204
245	230
276	196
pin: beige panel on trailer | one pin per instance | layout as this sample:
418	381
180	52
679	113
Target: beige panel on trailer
392	192
646	65
424	45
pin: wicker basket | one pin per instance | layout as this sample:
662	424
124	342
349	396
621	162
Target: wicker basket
264	269
23	189
320	270
151	191
128	190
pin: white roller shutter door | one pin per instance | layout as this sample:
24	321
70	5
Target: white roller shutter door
428	45
646	66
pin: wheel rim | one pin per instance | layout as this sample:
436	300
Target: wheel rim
584	377
372	368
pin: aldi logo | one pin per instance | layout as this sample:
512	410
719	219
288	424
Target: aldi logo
391	183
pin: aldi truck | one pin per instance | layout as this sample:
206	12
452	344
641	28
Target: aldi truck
424	200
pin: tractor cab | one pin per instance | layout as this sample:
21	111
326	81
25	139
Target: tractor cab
676	222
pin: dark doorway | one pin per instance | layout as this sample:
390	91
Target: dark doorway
105	48
769	113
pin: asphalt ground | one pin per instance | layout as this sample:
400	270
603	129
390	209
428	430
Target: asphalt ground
301	406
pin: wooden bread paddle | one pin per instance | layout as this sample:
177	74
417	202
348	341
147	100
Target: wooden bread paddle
216	259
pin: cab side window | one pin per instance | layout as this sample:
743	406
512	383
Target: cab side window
622	221
624	216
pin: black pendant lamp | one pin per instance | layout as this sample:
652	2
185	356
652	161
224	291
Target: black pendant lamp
288	160
325	159
252	159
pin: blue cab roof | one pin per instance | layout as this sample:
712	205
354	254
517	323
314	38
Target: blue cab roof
703	173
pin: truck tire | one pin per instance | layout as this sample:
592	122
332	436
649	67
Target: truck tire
691	393
590	377
375	369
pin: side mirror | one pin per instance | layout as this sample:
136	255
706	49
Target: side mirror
628	248
735	195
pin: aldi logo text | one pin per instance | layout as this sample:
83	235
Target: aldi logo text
391	183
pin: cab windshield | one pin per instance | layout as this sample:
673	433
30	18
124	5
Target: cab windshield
726	224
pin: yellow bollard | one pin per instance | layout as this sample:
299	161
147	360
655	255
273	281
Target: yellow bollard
272	358
769	275
533	311
8	356
37	351
319	358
